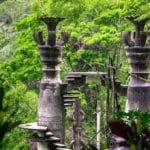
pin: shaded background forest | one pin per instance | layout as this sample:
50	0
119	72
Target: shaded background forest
95	28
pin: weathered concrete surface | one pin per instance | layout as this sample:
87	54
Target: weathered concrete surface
138	92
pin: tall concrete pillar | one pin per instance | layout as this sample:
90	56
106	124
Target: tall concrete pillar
138	92
50	124
51	110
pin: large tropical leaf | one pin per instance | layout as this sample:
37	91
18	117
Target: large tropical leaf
120	129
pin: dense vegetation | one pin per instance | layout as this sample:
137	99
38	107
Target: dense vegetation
95	29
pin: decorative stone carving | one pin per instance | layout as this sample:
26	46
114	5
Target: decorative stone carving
51	110
138	91
50	126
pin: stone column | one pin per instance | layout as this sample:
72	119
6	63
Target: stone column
138	92
51	110
49	128
77	116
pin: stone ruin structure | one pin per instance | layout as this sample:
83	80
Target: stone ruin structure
50	124
138	92
55	96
